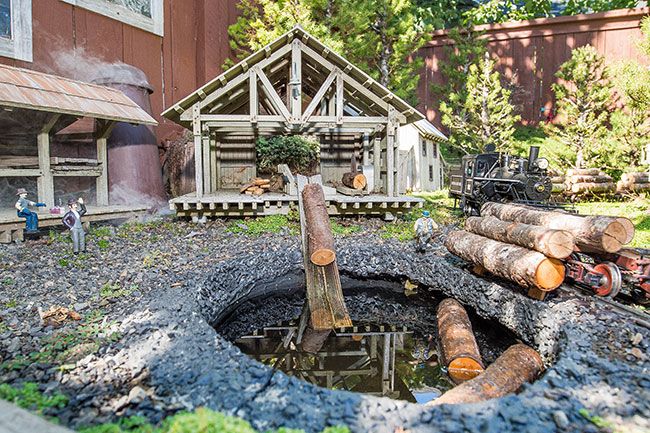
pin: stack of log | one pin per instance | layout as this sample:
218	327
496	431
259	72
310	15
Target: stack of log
527	245
634	182
558	181
580	181
256	186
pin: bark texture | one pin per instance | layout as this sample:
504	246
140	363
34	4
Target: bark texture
319	233
354	180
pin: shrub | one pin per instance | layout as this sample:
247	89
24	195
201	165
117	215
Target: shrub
299	153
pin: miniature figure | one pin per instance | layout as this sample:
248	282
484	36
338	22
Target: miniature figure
425	228
72	220
22	208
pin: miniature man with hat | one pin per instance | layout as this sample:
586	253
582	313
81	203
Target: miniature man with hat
22	208
72	220
424	227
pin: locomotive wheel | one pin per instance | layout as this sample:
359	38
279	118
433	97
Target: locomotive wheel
610	281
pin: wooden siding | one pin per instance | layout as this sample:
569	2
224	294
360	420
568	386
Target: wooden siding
529	53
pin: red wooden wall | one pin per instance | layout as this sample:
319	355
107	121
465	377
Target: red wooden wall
194	46
530	52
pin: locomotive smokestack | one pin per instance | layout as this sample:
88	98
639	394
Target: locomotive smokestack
533	154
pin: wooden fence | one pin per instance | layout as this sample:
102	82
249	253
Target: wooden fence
530	52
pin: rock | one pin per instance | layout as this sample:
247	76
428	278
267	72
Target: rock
561	420
136	395
636	339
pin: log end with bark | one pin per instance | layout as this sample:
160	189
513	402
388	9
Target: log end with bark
319	233
354	180
549	274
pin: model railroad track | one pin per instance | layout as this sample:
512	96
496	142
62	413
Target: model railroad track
639	317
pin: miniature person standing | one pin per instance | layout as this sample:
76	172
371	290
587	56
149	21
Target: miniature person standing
72	220
22	208
425	228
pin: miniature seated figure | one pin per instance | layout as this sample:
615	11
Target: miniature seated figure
425	228
72	220
22	210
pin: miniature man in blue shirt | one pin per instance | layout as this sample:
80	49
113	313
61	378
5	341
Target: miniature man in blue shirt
425	228
22	208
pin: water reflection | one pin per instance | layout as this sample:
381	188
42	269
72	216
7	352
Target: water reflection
371	359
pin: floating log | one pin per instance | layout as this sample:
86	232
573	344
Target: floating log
582	178
320	238
592	187
354	180
557	244
527	268
583	171
459	349
592	233
517	365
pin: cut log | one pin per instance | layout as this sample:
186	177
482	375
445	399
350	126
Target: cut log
516	366
259	182
320	238
627	178
592	233
312	340
245	187
459	349
258	191
583	187
354	180
632	187
583	171
585	178
557	244
520	265
557	179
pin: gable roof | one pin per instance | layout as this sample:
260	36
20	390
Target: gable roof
27	89
429	130
282	44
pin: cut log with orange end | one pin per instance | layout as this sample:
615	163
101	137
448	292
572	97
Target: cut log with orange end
354	180
320	241
459	349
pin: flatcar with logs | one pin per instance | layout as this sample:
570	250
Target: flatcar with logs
500	177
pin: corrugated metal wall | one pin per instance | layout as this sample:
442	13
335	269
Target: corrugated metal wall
530	52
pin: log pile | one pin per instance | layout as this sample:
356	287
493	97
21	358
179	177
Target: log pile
634	182
580	181
256	186
527	245
559	185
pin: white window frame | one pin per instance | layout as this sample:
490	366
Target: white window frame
154	25
19	46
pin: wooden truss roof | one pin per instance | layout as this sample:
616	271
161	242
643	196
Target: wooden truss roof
262	90
37	91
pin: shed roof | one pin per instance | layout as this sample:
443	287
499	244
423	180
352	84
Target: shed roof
23	88
429	130
410	113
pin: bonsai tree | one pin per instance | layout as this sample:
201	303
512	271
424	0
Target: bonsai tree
298	152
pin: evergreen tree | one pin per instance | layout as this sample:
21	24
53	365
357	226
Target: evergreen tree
574	7
583	99
485	116
498	11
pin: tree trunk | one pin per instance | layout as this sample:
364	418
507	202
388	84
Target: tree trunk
354	180
527	268
319	233
459	349
557	244
386	49
592	233
517	365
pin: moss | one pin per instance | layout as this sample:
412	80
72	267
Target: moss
260	226
29	397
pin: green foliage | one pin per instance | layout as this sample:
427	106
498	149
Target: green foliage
343	228
482	114
583	97
111	291
498	11
596	420
7	281
575	7
644	43
556	152
299	153
260	226
202	420
12	303
636	210
29	397
103	244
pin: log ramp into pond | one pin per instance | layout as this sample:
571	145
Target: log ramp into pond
325	308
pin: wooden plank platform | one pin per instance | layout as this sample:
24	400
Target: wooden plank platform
11	227
324	293
232	203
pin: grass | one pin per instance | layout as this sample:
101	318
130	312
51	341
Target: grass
637	210
111	291
29	397
260	226
12	303
202	420
344	228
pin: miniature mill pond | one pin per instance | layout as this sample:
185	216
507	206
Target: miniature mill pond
391	350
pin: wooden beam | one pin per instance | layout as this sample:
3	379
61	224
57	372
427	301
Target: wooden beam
198	154
20	172
102	132
239	118
390	151
319	96
207	170
376	161
366	149
254	102
295	91
45	182
273	96
339	98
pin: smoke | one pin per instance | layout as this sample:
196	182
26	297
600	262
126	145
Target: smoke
121	194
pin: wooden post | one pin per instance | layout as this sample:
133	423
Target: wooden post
217	169
254	103
339	98
101	182
295	92
390	160
198	154
213	162
366	149
376	161
45	181
397	162
207	170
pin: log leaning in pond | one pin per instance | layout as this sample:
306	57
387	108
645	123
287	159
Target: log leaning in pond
557	244
517	365
354	180
592	233
459	352
527	268
319	232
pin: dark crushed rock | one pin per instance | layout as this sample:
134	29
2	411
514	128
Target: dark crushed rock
187	279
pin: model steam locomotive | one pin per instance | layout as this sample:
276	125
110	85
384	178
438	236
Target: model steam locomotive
496	176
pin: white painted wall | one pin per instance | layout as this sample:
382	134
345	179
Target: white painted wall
425	171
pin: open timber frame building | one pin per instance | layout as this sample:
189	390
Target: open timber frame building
295	85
